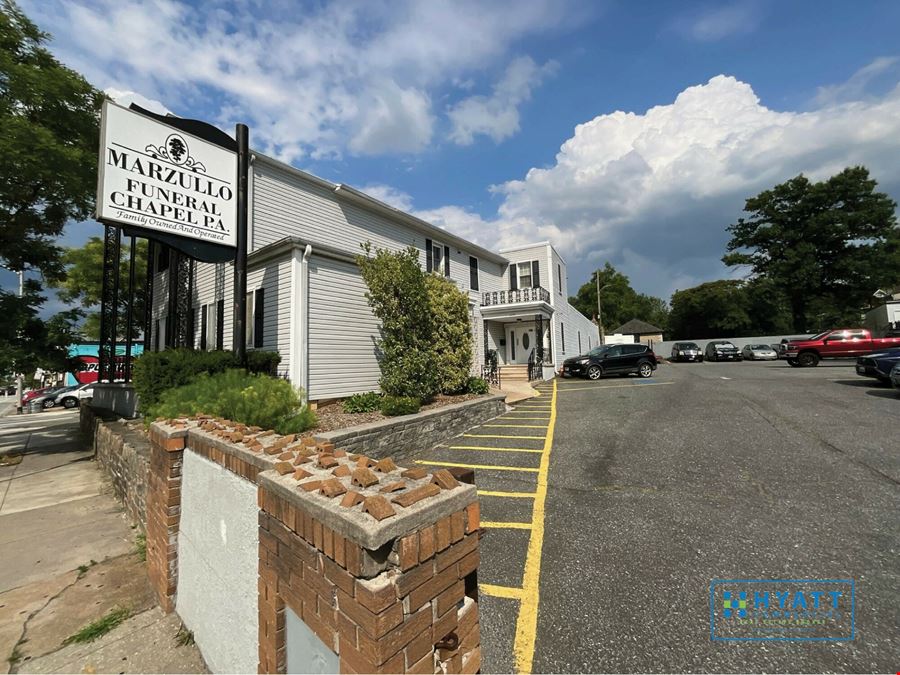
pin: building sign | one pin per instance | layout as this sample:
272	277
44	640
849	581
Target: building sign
161	179
84	362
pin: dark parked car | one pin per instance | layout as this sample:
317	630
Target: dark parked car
878	365
722	350
895	377
686	351
612	360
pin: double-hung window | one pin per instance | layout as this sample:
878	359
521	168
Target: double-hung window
473	273
254	320
524	274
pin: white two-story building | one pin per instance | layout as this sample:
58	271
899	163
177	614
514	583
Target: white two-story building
306	298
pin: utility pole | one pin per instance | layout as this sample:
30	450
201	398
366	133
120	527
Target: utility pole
19	375
599	310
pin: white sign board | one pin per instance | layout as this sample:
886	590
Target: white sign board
159	178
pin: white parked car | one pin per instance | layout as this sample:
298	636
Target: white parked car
73	398
759	352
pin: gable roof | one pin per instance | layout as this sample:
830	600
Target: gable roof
637	327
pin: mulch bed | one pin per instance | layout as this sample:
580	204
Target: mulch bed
332	417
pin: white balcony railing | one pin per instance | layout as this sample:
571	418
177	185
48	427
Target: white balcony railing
537	294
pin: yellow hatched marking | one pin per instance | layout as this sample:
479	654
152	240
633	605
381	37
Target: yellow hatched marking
509	526
510	416
531	438
511	495
486	448
526	625
501	591
477	466
515	426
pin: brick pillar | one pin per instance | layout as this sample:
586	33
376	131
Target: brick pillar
384	574
167	443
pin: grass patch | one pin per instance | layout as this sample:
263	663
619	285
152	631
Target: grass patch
99	628
140	546
11	459
184	637
82	570
15	656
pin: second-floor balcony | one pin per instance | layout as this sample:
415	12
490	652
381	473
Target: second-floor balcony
521	295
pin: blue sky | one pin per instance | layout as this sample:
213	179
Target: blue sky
621	131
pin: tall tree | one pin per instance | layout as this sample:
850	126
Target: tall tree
50	120
619	302
825	246
83	284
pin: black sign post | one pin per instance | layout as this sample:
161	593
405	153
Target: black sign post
239	339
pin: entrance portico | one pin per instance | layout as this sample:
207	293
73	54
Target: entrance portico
518	326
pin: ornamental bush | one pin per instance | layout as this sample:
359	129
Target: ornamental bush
477	385
255	400
156	372
451	333
399	405
399	298
360	403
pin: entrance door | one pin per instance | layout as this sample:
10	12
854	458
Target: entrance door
519	344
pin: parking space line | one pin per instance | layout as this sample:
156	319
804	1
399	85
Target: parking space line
487	448
515	426
510	416
531	438
511	495
508	526
501	591
613	386
526	625
489	467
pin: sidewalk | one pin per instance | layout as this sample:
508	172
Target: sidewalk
68	558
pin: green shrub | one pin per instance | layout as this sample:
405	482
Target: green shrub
399	405
398	296
361	403
255	400
156	372
477	385
451	333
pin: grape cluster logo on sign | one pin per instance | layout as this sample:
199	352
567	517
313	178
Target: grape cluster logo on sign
154	178
782	609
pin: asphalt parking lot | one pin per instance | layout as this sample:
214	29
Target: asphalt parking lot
652	488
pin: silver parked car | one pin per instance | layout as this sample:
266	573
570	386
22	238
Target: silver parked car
759	352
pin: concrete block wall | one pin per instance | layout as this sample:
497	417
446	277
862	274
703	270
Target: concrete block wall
363	566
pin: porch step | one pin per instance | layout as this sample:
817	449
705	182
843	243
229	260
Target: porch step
515	373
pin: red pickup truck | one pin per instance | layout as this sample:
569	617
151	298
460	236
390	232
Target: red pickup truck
843	343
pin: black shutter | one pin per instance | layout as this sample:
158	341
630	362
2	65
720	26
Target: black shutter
446	261
259	307
513	279
473	273
429	264
535	274
204	317
220	325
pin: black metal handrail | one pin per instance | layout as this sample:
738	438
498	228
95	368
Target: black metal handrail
535	366
536	294
490	371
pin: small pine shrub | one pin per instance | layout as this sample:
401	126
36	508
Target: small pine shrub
362	403
262	362
399	405
255	400
477	385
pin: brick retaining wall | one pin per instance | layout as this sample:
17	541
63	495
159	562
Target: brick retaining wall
400	436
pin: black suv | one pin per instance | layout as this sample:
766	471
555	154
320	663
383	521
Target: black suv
722	350
612	360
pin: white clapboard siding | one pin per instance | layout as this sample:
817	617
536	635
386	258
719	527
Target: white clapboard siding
342	331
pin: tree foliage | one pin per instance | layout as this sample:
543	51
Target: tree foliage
619	301
50	120
398	295
728	308
452	333
83	284
825	246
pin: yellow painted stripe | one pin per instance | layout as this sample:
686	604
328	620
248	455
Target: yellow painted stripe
531	438
526	625
511	495
515	426
478	466
509	526
511	416
490	449
501	591
615	386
